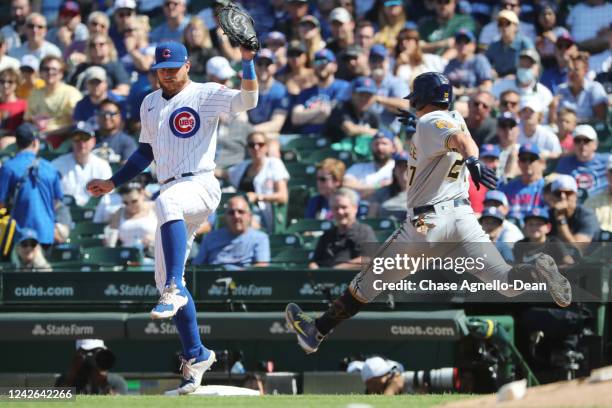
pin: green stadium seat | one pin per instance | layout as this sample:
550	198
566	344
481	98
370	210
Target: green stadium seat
382	235
87	229
302	225
112	256
80	214
69	200
298	198
317	156
64	253
310	241
290	156
88	242
282	241
378	224
293	256
279	214
301	169
307	143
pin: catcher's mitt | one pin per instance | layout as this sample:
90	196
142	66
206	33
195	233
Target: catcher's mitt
238	26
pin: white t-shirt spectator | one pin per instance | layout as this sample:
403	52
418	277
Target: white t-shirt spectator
544	138
369	175
75	177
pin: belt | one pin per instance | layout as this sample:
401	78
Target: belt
458	202
191	173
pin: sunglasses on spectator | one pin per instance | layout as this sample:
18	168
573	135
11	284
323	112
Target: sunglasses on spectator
503	23
97	24
294	54
123	14
528	159
51	70
234	212
129	30
171	3
323	179
443	1
252	145
128	202
510	6
559	193
581	140
39	26
96	45
6	82
479	104
509	103
28	243
80	137
107	114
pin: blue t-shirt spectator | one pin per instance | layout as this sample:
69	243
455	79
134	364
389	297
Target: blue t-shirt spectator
221	247
523	198
34	206
470	73
593	93
553	77
392	87
590	175
163	32
276	98
85	110
339	90
504	58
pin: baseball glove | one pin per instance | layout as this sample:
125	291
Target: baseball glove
238	26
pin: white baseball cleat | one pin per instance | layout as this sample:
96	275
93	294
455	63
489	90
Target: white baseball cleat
170	301
193	372
558	285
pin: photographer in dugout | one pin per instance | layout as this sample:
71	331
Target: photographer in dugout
89	370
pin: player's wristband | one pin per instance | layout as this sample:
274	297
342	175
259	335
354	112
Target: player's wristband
248	70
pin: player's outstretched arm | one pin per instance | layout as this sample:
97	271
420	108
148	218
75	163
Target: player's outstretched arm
465	145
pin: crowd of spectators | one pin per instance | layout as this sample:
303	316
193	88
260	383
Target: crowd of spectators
531	78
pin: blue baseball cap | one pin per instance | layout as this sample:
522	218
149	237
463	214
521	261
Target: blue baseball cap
390	3
26	234
492	212
170	54
364	84
496	195
378	50
530	148
489	150
537	213
83	128
465	34
266	53
410	25
324	55
26	133
384	132
400	156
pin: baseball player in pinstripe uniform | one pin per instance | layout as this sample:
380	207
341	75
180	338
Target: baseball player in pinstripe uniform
442	152
179	132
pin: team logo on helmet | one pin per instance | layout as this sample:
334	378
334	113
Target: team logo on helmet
166	53
184	122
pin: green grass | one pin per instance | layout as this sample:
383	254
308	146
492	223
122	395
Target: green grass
271	401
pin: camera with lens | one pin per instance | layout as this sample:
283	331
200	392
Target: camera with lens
437	380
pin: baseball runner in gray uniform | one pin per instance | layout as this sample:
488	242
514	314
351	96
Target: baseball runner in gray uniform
441	155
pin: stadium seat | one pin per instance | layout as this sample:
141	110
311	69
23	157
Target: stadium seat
301	169
293	256
378	224
87	229
80	214
279	214
310	241
307	143
88	242
112	256
69	200
382	235
319	155
298	198
282	241
290	156
302	225
64	253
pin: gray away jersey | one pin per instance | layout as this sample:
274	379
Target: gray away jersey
435	173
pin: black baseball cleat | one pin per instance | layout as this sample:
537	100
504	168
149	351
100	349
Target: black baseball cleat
304	327
558	285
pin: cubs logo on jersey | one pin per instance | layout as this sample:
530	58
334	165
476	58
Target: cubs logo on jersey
184	122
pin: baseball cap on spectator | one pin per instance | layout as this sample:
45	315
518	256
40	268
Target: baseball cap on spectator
295	48
410	25
400	156
28	234
297	1
378	51
508	118
219	67
70	9
94	72
564	182
531	102
391	3
565	38
531	54
489	150
529	149
537	213
352	51
463	33
585	131
341	15
508	15
25	134
496	195
266	53
29	62
324	56
124	4
310	19
384	133
376	367
170	54
81	129
276	37
364	84
492	212
89	344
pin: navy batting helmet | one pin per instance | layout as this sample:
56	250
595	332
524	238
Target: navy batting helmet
430	87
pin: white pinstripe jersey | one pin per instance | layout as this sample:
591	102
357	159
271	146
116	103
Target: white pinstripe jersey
183	130
436	173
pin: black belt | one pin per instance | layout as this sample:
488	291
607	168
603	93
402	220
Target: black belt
458	202
177	177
